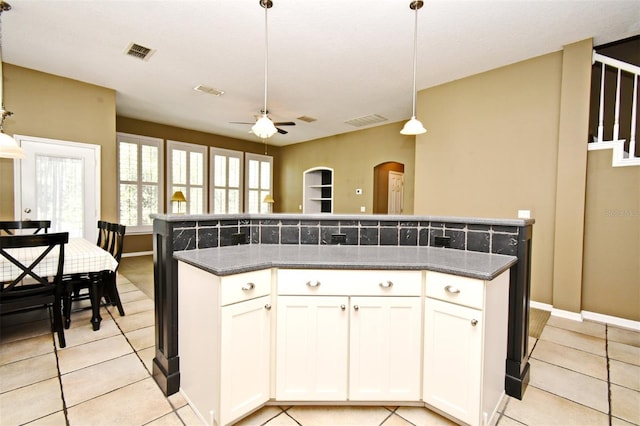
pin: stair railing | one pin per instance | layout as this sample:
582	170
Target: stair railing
621	67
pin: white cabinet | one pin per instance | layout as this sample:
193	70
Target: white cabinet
465	345
224	337
348	335
311	348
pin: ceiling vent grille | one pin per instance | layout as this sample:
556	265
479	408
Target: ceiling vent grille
307	119
366	120
210	90
138	51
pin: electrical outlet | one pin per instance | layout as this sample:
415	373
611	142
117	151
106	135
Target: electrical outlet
363	209
441	241
524	214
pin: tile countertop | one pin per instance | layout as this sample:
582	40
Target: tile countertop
250	257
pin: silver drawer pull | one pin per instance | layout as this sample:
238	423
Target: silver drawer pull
267	307
474	322
313	283
248	287
386	284
452	289
342	307
356	307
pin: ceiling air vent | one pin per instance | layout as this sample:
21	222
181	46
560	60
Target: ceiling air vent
306	119
210	90
138	51
366	120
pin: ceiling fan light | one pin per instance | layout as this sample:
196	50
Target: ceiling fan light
9	147
413	127
264	127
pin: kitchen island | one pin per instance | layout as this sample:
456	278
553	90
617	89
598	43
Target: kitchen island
342	325
176	233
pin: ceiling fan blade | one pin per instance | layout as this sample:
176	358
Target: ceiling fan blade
282	132
240	122
285	123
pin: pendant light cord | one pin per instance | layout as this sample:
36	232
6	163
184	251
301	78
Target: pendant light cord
415	60
266	56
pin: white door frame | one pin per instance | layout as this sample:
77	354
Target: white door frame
17	175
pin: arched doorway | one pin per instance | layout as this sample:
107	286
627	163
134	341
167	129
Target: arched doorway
388	188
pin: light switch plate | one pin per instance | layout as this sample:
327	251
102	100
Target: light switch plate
524	214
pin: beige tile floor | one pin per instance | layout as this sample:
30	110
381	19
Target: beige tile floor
581	374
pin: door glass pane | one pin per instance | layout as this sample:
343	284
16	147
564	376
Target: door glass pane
254	202
128	161
196	198
234	201
129	204
220	177
219	196
254	176
195	168
150	201
60	195
149	164
179	167
265	175
234	172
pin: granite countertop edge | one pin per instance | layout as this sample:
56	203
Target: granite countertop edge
223	261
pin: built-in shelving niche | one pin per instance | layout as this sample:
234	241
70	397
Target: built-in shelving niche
318	190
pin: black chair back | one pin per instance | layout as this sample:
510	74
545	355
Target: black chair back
34	285
10	227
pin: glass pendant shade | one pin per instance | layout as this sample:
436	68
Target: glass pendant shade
413	127
9	147
264	127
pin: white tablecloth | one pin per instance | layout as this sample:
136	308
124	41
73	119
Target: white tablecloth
80	256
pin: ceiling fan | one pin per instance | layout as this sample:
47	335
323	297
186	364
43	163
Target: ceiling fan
277	124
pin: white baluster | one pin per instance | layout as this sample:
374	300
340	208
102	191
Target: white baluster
616	121
601	113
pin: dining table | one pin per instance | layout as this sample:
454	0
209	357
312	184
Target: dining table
81	256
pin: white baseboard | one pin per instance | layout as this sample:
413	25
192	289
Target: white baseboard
137	253
586	315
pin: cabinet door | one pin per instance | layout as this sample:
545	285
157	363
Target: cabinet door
245	357
385	349
311	359
452	359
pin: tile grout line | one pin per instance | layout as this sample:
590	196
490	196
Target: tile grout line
64	402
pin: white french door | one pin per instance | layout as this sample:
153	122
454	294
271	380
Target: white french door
59	181
396	193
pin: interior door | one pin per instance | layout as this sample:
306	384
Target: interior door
59	181
396	192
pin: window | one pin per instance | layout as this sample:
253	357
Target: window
226	181
187	167
140	172
259	180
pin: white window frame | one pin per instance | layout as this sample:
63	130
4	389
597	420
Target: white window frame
264	207
140	141
228	153
189	147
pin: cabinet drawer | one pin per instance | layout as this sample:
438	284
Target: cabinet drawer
245	286
452	288
326	282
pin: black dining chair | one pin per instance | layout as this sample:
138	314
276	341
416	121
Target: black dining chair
79	286
31	289
10	227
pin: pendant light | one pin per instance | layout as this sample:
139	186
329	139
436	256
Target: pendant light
414	126
8	146
264	127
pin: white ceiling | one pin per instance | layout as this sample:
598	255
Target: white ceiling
333	60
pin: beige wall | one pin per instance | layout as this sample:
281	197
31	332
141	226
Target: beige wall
353	157
611	270
53	107
491	150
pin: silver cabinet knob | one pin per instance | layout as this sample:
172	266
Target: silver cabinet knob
248	287
342	307
452	289
313	283
474	322
386	284
267	307
27	210
356	307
